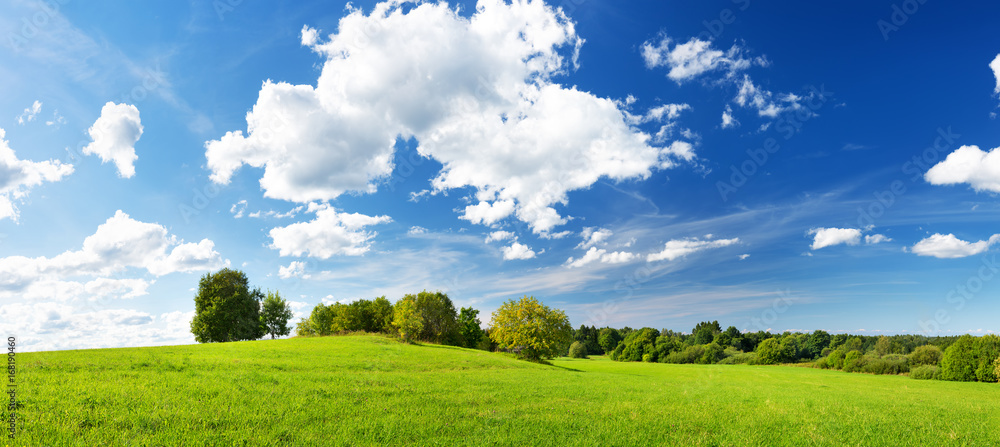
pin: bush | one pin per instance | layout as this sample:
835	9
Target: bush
637	344
689	355
743	358
713	353
836	359
888	364
578	350
854	361
959	362
926	372
987	351
649	358
926	355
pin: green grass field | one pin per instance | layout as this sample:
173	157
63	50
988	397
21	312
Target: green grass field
370	390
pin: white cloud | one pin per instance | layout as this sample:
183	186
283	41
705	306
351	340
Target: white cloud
517	250
968	164
238	209
682	247
115	133
117	245
764	101
296	269
688	60
825	237
728	121
30	113
484	106
329	234
593	236
601	255
416	230
17	177
499	236
947	246
872	239
995	66
59	325
744	256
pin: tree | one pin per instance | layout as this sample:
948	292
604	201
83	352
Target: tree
705	331
578	350
818	341
407	319
883	346
226	309
469	327
531	329
274	315
770	352
959	362
609	338
926	355
439	317
638	344
382	314
321	319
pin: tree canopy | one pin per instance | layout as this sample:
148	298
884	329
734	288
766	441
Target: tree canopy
530	329
226	309
274	315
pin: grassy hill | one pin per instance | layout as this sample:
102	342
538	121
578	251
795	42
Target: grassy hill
370	390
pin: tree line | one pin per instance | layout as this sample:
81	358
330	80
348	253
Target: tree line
959	358
228	309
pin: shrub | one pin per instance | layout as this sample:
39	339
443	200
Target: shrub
689	355
854	361
926	372
888	364
836	359
578	350
649	358
713	353
926	355
637	344
743	358
959	362
821	363
770	352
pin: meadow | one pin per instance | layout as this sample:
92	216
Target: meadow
373	390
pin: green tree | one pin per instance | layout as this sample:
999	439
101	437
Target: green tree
274	315
382	314
959	362
469	327
321	319
531	329
926	355
883	346
407	319
770	352
439	317
226	309
818	341
987	351
609	338
705	331
578	350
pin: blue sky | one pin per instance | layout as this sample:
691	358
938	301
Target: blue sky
771	166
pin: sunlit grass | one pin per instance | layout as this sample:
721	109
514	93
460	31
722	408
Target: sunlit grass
370	390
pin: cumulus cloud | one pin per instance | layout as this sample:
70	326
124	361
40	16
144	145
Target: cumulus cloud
484	106
17	177
948	246
872	239
296	269
115	133
601	255
59	325
499	236
331	233
30	113
238	209
744	256
826	237
517	250
682	247
766	103
968	164
728	121
995	66
593	236
689	60
416	231
118	244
